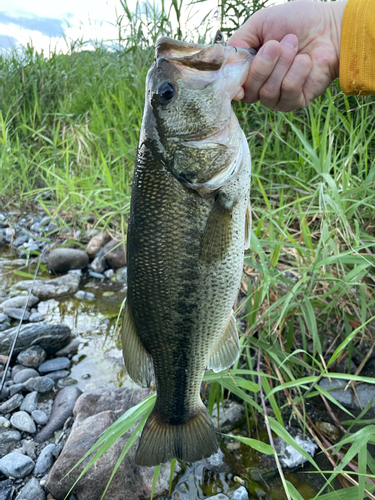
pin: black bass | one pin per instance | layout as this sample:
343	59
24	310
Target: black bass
189	219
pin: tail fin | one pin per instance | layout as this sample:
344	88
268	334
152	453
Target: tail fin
189	442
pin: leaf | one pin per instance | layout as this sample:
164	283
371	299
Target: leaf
255	444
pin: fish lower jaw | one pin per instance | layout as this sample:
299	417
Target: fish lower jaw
219	137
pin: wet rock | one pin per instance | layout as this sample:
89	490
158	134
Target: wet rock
4	326
35	317
3	317
3	359
16	465
24	375
61	410
15	388
109	273
45	460
4	393
39	416
16	369
115	254
32	490
98	276
291	458
63	260
71	348
220	496
28	448
12	403
99	264
328	430
365	393
8	439
50	337
6	490
4	423
20	240
57	287
81	295
32	357
39	384
121	275
240	494
20	302
53	365
15	313
229	415
22	421
96	243
67	382
55	376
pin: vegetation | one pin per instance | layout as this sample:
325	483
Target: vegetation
68	136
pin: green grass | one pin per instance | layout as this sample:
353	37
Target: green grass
69	128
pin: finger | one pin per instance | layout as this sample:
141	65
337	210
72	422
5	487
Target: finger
260	69
269	93
250	33
292	89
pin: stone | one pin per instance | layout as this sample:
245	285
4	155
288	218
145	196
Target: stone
35	317
12	403
32	357
289	457
50	337
229	415
240	494
53	288
15	388
20	302
30	403
23	422
15	313
109	273
40	417
62	260
115	253
39	384
81	295
20	240
6	490
4	393
71	348
121	275
4	423
45	460
55	376
99	264
53	365
3	317
16	369
29	448
96	243
32	491
66	382
24	375
61	410
98	276
4	326
364	392
16	465
220	496
8	440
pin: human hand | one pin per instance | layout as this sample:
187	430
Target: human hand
299	54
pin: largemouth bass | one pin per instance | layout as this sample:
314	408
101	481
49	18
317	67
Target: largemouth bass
189	219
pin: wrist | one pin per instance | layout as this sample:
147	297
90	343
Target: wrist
336	17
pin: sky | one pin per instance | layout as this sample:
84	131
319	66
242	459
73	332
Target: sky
50	24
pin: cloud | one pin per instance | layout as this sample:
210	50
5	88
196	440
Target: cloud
8	42
45	25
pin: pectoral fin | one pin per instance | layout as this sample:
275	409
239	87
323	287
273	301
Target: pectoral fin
248	226
138	362
227	349
217	235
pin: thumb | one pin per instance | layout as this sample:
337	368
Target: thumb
250	33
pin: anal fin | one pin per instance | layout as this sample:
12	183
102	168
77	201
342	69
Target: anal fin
248	226
227	349
138	362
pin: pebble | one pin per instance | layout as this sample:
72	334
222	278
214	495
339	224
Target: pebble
3	317
30	403
33	356
19	302
98	276
20	240
25	375
54	365
99	264
28	448
15	388
81	295
6	490
4	326
45	460
121	275
40	384
220	496
32	490
16	369
12	403
36	317
240	494
55	376
109	273
71	348
39	416
8	440
15	313
4	423
16	465
22	421
66	382
62	260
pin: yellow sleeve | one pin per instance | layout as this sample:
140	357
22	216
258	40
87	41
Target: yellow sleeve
357	50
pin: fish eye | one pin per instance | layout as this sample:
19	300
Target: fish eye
166	92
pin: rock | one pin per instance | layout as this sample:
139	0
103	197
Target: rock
365	393
6	490
99	264
16	369
22	421
45	460
28	448
53	288
32	491
20	302
61	410
81	295
121	275
288	456
220	496
39	416
3	359
30	403
53	365
62	260
55	376
50	337
96	243
24	375
4	326
228	416
115	254
35	317
71	348
4	423
98	276
4	393
32	357
12	403
13	389
16	465
8	441
3	317
15	313
240	494
66	382
109	273
20	240
39	384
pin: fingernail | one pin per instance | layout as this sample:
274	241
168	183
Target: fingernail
290	40
270	52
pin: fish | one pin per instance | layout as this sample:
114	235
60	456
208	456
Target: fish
188	226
